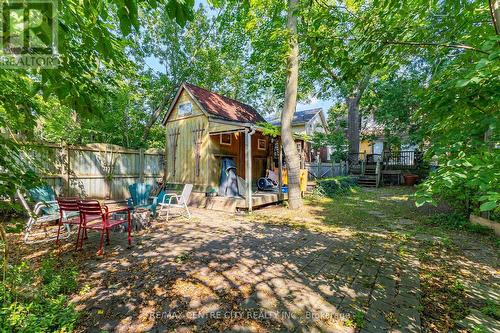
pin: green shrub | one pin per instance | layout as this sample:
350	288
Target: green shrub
36	300
491	309
331	187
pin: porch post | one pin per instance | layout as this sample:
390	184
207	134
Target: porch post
248	168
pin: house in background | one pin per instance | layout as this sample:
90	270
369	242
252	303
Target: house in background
377	162
304	124
375	132
373	141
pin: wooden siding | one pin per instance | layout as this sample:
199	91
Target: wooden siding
183	98
212	151
217	151
365	147
185	166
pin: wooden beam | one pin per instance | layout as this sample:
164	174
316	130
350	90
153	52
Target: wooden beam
141	165
248	168
66	168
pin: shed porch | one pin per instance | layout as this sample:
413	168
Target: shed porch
227	204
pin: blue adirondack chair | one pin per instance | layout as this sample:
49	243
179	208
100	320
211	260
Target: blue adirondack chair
140	197
47	195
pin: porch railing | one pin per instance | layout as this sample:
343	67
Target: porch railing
389	159
401	159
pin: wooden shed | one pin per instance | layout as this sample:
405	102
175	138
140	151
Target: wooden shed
202	128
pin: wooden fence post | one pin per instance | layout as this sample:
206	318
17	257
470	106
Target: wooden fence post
65	168
377	174
141	165
319	167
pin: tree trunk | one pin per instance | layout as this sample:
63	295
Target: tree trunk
291	152
353	125
495	15
353	119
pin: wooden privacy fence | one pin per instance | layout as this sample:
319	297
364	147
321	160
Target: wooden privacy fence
97	170
318	170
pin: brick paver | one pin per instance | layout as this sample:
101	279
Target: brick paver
218	272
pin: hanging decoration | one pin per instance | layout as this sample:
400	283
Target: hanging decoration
173	136
198	140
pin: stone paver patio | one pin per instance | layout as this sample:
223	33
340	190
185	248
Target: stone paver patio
221	272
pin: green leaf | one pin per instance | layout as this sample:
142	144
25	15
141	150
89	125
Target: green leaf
422	201
490	205
461	83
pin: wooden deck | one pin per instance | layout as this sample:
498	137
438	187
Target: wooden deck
259	199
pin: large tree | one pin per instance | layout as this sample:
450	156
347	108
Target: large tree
290	104
351	45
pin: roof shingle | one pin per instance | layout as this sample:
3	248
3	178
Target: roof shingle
224	107
300	117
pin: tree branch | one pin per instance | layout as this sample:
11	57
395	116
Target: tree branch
409	43
426	44
330	72
327	69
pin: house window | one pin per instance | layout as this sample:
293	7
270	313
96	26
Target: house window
185	109
261	144
299	146
226	139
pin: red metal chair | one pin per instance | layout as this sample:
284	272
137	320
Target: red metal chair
69	213
100	218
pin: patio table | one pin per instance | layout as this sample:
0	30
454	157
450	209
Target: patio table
140	218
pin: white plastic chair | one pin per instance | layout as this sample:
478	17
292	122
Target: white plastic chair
181	200
35	218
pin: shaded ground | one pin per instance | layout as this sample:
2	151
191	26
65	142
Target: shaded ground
458	264
368	261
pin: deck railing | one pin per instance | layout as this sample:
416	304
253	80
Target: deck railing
390	159
401	159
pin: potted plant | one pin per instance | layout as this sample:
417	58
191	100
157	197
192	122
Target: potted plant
410	179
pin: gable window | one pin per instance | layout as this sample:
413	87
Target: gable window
226	139
261	144
185	109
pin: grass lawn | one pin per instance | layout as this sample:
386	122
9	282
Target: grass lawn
459	271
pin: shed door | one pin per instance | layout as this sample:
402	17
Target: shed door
258	168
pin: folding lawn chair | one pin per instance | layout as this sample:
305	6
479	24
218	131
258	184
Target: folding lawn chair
44	211
181	201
